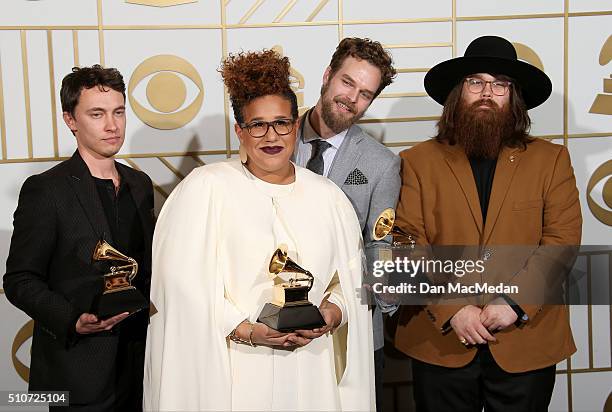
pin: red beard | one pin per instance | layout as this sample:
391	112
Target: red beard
335	121
482	131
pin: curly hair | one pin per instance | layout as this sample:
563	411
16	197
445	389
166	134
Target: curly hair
368	50
85	78
248	76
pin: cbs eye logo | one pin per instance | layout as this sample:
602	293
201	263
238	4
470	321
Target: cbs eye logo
23	335
166	91
601	173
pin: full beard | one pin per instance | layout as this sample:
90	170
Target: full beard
336	121
483	132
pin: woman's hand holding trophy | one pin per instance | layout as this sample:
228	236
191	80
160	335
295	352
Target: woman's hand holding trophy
291	320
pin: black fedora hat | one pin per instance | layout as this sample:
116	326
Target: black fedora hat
493	55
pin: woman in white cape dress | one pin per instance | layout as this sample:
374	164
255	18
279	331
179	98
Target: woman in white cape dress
212	245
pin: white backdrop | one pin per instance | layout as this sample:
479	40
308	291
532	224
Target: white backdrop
41	40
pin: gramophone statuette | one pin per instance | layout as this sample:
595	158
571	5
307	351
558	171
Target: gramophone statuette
118	295
290	309
385	225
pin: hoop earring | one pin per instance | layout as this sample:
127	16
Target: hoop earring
242	154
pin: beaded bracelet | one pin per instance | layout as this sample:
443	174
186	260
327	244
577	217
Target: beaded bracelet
234	337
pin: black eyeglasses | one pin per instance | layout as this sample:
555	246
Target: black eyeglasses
260	128
498	87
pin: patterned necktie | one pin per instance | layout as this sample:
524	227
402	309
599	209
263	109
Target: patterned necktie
316	160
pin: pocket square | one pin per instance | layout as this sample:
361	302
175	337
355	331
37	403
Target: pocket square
356	178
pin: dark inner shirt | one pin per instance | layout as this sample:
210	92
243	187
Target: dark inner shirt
483	171
122	218
128	238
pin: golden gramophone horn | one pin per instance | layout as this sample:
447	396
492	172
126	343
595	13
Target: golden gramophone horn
281	263
117	294
104	251
385	225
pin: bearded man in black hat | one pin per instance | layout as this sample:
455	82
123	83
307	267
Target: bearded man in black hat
482	182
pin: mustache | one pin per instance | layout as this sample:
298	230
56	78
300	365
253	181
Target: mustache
484	102
347	103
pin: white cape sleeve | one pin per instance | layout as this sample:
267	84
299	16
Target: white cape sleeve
186	361
354	340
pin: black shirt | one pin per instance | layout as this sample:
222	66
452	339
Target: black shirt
122	217
128	238
484	172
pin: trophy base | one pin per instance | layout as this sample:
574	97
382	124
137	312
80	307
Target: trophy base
290	318
111	304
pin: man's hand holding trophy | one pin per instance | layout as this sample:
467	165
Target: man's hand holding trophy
117	298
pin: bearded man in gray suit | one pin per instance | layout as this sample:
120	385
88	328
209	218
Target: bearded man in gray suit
331	144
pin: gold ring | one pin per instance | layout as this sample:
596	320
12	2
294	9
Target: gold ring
464	341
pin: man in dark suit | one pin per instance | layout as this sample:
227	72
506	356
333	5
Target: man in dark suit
61	215
331	144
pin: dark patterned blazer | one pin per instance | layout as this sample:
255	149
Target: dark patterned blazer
51	277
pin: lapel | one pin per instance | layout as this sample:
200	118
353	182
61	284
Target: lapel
139	195
507	163
347	157
85	189
299	134
460	166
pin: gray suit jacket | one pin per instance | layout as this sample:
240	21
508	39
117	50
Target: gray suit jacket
369	174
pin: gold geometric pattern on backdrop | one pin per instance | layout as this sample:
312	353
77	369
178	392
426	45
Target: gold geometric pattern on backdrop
160	3
166	91
296	80
603	102
529	55
166	77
